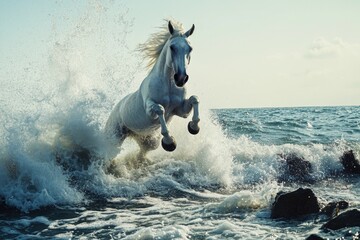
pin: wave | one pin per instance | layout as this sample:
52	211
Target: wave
68	164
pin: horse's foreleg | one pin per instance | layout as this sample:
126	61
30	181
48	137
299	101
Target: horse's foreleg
157	111
191	103
168	142
193	125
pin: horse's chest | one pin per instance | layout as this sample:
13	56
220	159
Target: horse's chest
171	101
170	98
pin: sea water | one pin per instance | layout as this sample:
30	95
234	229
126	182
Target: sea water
57	181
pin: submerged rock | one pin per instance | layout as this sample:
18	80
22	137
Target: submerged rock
332	209
295	204
314	237
350	163
295	168
349	218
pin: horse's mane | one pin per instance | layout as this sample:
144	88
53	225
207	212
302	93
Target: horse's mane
154	45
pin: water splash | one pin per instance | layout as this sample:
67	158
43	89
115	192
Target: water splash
64	101
53	150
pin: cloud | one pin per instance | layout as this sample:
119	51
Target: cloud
322	48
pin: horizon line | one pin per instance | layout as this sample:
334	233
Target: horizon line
299	106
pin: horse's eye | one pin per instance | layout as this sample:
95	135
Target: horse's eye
172	48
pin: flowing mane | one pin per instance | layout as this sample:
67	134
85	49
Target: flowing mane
154	45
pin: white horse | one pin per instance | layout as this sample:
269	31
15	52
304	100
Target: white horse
160	96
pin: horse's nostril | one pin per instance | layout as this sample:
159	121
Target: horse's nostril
186	78
176	76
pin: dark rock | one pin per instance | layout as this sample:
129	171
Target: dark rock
349	218
314	237
6	209
295	204
332	209
295	168
350	163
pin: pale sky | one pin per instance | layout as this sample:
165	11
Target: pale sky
246	53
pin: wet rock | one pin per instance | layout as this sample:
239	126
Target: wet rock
295	204
350	163
6	209
332	209
295	168
349	218
314	237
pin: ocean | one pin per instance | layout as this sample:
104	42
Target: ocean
219	184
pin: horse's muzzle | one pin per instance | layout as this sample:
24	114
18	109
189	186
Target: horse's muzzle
181	79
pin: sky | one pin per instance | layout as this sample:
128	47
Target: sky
245	53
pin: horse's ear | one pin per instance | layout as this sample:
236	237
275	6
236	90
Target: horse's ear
171	28
188	33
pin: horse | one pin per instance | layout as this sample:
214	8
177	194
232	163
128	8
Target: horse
161	95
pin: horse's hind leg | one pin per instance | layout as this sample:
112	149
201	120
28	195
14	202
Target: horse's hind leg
147	143
116	133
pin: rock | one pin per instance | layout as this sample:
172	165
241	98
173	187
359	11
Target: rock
332	209
296	168
295	204
6	209
349	218
350	163
314	237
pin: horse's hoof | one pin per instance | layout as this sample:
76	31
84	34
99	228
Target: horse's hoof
192	130
169	146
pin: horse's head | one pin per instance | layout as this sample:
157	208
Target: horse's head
179	53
